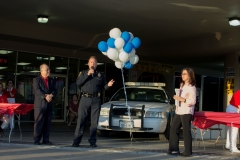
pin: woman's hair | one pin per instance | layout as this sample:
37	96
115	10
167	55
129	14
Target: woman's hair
11	81
192	79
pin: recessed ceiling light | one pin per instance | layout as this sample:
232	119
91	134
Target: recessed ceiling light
42	19
3	67
5	52
23	63
98	64
51	58
234	21
61	67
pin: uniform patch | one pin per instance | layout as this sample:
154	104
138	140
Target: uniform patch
79	74
99	74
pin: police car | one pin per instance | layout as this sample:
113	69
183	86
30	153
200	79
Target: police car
147	109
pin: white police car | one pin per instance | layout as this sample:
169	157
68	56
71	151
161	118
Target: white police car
149	107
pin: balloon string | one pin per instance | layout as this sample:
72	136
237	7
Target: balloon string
129	113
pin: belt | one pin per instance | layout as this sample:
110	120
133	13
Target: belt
91	95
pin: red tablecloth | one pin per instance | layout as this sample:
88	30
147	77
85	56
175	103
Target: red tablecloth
205	120
16	108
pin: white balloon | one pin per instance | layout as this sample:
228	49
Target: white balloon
105	53
112	53
134	59
132	53
131	36
123	56
119	65
115	33
119	43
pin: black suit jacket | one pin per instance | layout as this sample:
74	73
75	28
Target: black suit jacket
40	90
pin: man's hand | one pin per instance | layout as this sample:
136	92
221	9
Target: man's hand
90	72
110	83
49	97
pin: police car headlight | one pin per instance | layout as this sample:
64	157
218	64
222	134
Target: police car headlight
104	112
152	114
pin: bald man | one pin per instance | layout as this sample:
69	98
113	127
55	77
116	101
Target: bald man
44	90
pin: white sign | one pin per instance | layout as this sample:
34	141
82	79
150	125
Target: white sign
229	72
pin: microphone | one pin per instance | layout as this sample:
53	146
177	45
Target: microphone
93	69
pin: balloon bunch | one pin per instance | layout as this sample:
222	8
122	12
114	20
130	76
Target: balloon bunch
121	48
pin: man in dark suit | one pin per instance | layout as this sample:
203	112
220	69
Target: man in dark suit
44	90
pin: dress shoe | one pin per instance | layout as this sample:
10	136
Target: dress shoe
93	145
75	145
47	143
36	143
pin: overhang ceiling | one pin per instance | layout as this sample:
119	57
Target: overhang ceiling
187	32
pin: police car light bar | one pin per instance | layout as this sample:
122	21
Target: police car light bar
145	84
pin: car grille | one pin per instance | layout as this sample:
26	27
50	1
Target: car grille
124	112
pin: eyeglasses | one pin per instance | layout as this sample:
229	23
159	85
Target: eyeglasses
183	74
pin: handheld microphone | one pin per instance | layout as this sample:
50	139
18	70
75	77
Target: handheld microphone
93	69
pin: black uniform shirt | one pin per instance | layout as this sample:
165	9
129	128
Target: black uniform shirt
92	84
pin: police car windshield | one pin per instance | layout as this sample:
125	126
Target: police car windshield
140	94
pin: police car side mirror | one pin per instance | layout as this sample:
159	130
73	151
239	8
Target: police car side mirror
167	100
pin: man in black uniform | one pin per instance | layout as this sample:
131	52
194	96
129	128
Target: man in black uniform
92	82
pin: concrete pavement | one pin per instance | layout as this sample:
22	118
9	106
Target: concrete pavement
116	146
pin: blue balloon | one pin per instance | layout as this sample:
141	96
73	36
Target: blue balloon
102	46
110	42
128	65
126	36
136	42
128	47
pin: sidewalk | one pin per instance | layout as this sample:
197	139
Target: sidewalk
62	136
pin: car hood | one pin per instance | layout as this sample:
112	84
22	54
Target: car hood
153	106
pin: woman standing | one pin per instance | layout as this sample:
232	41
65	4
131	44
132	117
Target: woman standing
10	92
183	114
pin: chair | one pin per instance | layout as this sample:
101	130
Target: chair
204	131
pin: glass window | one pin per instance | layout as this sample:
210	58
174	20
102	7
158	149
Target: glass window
7	65
58	65
72	76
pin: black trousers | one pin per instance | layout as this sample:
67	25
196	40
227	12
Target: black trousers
42	124
178	122
84	106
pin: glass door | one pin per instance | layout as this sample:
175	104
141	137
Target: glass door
60	100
